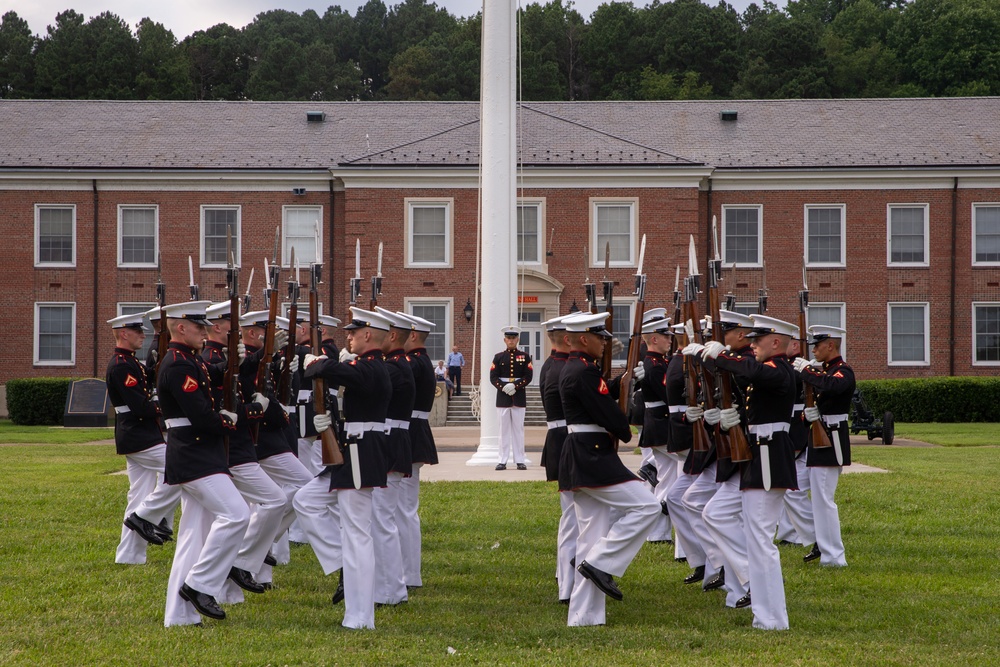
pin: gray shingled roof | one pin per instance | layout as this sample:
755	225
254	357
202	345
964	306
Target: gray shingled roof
275	135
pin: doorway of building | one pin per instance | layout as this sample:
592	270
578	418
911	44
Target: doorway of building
532	339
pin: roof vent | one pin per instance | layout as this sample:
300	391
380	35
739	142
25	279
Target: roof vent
727	115
315	116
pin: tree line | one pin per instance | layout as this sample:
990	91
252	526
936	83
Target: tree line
680	49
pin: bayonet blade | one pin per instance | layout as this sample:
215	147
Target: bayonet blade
715	238
378	273
677	280
642	255
692	257
607	258
357	258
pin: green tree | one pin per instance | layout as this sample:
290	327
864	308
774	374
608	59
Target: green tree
61	60
434	70
288	71
220	64
372	47
164	70
656	86
113	55
950	47
611	52
550	51
17	58
861	65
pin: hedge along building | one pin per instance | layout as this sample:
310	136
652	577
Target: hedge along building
895	204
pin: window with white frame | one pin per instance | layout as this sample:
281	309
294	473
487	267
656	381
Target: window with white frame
908	237
302	230
216	223
620	326
747	308
825	235
742	237
438	313
132	309
55	334
909	343
613	232
428	233
986	334
137	235
529	233
986	234
55	235
829	314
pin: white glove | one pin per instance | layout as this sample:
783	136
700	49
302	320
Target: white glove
812	414
729	418
241	351
509	389
345	356
280	341
639	372
311	359
712	349
293	367
232	416
713	416
692	349
694	413
800	364
261	399
322	422
617	346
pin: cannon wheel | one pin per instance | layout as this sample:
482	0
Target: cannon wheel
888	429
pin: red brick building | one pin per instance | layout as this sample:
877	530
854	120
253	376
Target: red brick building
894	203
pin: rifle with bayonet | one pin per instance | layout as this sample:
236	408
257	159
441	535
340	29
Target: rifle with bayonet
609	308
264	381
676	319
329	447
762	292
817	432
730	444
193	286
284	393
247	297
376	281
700	442
589	288
231	377
163	337
635	339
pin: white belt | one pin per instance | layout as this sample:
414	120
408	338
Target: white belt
290	409
177	422
585	428
677	408
358	428
765	431
655	404
556	424
798	407
122	409
305	395
397	423
420	414
834	420
510	379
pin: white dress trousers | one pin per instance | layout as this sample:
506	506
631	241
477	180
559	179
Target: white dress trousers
390	587
695	498
214	519
767	589
288	473
723	516
268	504
797	510
666	474
826	515
512	434
682	523
607	546
149	497
408	525
566	545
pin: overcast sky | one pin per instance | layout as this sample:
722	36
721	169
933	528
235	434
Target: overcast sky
184	17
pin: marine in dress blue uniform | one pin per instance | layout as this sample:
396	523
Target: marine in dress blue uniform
138	437
591	470
510	373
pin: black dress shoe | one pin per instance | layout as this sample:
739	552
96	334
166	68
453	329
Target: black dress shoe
602	580
563	600
501	466
664	508
521	466
203	602
743	601
718	581
245	580
165	532
647	473
696	576
813	554
144	529
338	595
682	559
380	605
270	560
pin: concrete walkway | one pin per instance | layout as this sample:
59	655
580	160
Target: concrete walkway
457	444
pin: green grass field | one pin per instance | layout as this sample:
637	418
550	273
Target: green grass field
920	590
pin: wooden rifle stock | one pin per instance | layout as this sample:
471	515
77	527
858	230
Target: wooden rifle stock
700	440
734	440
632	359
329	447
817	432
284	393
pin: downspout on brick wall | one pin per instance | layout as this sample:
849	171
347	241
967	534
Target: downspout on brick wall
954	236
709	242
96	265
329	271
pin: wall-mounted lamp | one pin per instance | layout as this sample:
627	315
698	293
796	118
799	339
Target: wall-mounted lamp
574	308
467	311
